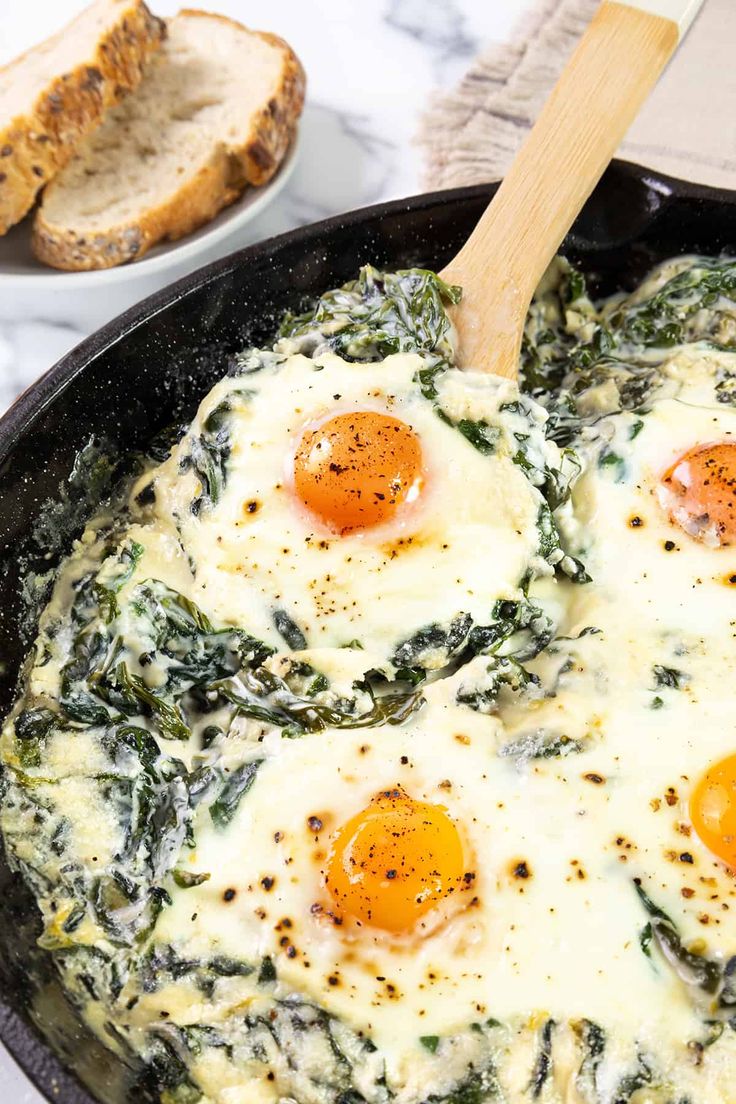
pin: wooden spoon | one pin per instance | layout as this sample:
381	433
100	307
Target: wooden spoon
615	66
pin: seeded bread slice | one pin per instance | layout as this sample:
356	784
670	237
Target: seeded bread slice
55	94
216	111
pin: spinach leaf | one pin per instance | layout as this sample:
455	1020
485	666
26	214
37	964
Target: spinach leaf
167	1074
229	967
87	655
550	547
593	1043
669	677
434	645
267	972
501	674
543	1064
266	697
83	708
482	436
234	789
378	314
98	684
295	1027
209	453
115	578
611	461
645	939
168	717
193	651
522	628
642	1076
289	630
160	447
695	970
430	1042
156	805
687	307
616	353
574	286
477	1086
32	729
185	879
726	387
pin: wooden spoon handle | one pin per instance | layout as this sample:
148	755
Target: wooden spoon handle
613	69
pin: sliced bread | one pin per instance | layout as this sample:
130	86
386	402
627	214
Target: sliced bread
216	111
55	94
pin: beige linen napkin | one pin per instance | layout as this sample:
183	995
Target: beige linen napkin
687	127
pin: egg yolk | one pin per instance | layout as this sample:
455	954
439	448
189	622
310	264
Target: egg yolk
356	469
713	809
701	487
394	862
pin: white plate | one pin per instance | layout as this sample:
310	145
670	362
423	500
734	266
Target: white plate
87	299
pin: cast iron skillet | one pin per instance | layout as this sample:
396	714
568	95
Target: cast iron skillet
150	367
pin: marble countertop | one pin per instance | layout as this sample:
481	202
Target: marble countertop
370	68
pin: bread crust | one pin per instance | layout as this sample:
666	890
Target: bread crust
36	145
200	198
274	128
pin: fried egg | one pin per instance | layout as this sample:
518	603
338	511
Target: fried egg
340	519
410	881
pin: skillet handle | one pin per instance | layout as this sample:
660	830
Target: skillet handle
681	12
